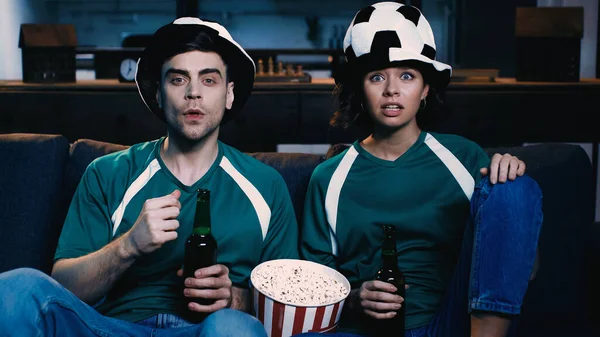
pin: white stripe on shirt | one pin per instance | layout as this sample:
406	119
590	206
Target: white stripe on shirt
332	197
460	173
132	190
260	205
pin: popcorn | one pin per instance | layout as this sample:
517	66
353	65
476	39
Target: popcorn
298	284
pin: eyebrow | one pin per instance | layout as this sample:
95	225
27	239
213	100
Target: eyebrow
201	72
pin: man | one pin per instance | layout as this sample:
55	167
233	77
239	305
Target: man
122	245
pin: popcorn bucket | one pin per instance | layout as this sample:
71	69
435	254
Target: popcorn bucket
296	296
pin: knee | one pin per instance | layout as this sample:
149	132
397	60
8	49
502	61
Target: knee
20	290
521	189
27	283
24	280
230	322
521	196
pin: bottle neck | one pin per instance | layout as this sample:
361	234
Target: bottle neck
388	249
389	260
202	217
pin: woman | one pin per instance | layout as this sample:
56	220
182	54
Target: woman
466	245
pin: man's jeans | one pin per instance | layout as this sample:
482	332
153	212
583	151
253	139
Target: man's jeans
496	259
34	304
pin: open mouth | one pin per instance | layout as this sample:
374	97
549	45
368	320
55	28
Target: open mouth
392	107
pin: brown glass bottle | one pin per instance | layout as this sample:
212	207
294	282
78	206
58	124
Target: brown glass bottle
201	246
390	273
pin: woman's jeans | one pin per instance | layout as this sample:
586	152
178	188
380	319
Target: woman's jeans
496	260
34	304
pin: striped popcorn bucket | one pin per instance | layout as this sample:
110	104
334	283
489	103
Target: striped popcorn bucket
283	318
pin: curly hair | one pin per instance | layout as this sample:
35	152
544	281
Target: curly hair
350	94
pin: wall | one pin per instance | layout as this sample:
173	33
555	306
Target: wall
13	14
590	31
254	24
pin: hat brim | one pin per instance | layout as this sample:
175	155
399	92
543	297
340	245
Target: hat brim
240	66
436	73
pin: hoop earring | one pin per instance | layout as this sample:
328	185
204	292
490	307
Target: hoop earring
423	104
362	106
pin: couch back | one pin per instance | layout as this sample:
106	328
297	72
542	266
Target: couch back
40	173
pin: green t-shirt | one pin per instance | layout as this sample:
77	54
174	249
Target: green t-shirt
252	215
425	194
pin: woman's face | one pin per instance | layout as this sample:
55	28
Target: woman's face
393	96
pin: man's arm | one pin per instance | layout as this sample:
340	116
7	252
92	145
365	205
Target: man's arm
240	299
90	277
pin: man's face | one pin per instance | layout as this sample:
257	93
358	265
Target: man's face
194	93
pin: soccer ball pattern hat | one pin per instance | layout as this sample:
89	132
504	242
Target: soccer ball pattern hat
389	34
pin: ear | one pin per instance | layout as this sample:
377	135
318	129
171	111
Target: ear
158	97
425	92
230	96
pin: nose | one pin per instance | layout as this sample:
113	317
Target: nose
391	88
193	91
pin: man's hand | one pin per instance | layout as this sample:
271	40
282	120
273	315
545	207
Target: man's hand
503	167
377	299
209	283
155	225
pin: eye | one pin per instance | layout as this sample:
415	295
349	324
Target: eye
377	78
177	80
406	76
209	81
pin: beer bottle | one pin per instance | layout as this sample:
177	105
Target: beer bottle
201	246
390	273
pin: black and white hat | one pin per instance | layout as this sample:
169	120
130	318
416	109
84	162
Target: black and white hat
389	33
167	42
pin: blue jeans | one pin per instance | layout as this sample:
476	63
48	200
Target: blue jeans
34	304
496	258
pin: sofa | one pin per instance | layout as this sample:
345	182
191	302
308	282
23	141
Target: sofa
39	174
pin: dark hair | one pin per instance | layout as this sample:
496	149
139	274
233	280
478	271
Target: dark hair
350	94
199	41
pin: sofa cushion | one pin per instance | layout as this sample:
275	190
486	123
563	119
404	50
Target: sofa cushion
30	180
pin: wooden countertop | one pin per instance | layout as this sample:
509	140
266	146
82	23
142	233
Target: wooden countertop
317	84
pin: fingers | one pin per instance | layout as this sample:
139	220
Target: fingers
513	167
378	299
170	225
171	212
483	171
217	270
211	294
521	169
216	287
504	167
381	305
168	200
169	236
219	304
379	286
494	166
176	194
380	315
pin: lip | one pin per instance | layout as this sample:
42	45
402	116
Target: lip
193	114
392	103
391	112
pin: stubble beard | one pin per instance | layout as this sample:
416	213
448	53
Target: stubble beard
189	135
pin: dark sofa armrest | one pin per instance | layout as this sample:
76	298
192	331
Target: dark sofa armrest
30	180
